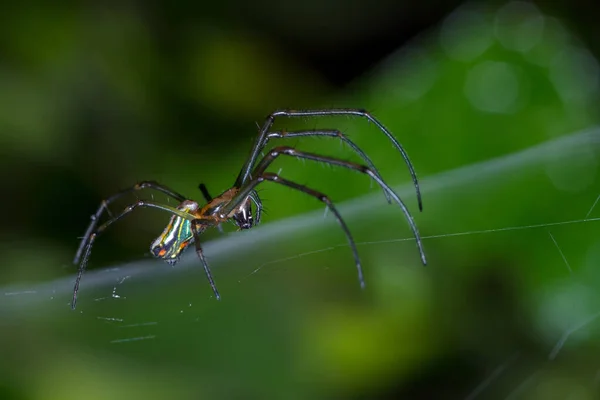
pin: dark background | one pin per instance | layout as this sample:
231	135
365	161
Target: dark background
95	97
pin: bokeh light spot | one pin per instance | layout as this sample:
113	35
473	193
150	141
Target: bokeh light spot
519	26
465	34
574	73
493	87
554	39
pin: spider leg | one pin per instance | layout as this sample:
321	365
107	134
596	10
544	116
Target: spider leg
197	227
327	133
247	168
105	203
250	185
208	199
205	192
86	251
258	204
288	151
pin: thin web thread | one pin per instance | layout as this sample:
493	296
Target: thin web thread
510	228
444	235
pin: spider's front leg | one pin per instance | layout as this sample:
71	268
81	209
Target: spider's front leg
264	136
260	175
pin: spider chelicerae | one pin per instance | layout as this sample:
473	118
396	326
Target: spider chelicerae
189	219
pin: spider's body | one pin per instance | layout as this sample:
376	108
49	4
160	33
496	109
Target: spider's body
189	220
179	234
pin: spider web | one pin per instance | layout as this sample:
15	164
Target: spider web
244	263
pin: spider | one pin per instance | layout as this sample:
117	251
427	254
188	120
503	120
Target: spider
189	220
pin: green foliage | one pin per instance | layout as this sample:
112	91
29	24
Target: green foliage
92	103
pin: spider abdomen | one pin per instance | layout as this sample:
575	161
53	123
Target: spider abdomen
177	235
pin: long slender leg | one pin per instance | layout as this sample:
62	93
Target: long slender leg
105	203
208	199
197	227
205	192
288	151
93	235
322	197
247	168
268	176
326	133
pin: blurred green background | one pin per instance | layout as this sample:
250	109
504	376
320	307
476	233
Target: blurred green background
496	104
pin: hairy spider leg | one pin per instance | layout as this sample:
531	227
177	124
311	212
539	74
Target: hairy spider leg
269	176
289	151
248	166
198	225
260	175
105	203
92	236
241	218
327	133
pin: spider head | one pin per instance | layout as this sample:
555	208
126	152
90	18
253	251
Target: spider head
176	237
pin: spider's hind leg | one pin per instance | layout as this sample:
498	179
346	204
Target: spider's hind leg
93	232
95	218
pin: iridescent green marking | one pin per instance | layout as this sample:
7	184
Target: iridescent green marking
176	237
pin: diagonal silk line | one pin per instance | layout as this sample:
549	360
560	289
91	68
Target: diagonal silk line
564	147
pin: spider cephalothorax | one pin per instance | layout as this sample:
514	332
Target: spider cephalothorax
189	220
178	233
